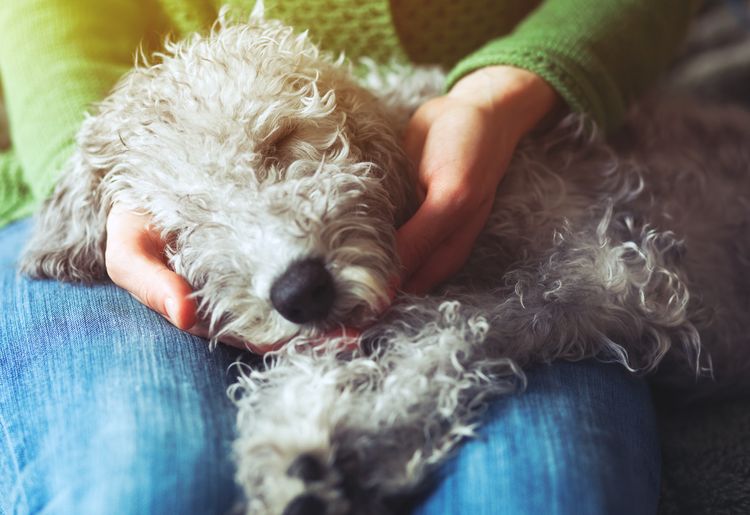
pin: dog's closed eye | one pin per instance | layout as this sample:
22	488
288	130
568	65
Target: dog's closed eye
274	144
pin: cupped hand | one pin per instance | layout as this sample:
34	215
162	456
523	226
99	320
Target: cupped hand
135	261
461	144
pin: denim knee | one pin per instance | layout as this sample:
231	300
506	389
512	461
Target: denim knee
104	406
116	421
581	440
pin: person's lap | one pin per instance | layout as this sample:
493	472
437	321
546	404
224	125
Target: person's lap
581	439
106	408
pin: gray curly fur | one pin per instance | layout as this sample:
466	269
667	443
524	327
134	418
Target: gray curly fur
253	150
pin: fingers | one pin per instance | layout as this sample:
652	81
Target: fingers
460	157
453	194
135	262
443	212
415	137
448	256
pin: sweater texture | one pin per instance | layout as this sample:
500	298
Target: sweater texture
59	57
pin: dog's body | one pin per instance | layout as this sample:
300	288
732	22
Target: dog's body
264	162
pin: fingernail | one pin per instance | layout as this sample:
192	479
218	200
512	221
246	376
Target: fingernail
171	306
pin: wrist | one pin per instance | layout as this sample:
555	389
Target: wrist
516	98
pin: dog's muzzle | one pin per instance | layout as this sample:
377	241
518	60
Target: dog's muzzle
304	292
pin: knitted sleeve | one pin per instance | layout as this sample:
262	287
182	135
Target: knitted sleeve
598	54
57	57
15	197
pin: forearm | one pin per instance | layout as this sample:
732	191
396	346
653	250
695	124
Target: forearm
599	55
56	59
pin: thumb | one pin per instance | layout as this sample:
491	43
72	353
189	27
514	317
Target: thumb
437	218
135	261
162	290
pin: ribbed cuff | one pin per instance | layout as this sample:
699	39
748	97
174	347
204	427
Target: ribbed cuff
573	72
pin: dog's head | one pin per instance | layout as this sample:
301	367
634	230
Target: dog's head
276	178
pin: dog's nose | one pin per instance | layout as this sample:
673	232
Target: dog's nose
306	467
304	292
306	504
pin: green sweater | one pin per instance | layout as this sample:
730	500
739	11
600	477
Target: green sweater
58	57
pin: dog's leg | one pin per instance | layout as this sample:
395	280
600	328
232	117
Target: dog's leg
615	291
68	239
285	454
434	379
350	435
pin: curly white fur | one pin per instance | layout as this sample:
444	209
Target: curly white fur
252	150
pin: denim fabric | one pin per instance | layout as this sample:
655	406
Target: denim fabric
582	439
105	408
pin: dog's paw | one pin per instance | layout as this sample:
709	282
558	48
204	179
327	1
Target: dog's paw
307	468
322	492
342	486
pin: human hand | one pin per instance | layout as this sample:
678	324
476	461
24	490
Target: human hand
135	261
461	144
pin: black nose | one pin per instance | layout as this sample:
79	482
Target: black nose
304	292
306	504
306	467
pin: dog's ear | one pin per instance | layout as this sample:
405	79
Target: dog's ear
68	239
69	236
67	242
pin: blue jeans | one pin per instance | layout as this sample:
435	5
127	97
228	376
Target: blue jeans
105	408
